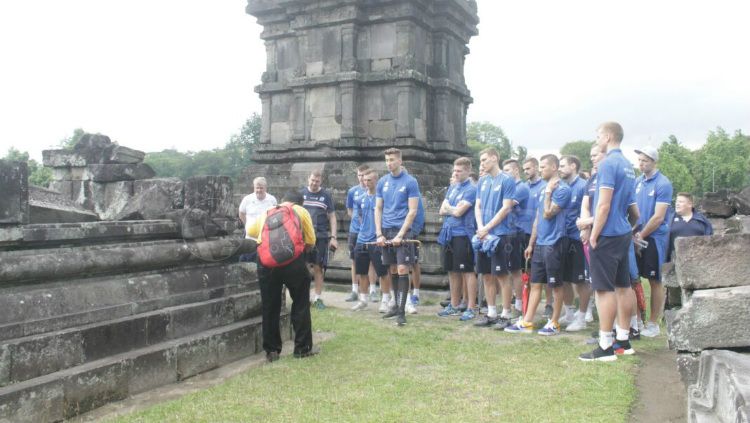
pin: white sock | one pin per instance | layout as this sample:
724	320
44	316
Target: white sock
605	340
355	288
622	334
505	313
519	304
316	297
491	311
386	298
570	312
634	322
373	289
416	292
363	298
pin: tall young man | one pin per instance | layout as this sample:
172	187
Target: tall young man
536	184
494	204
353	196
319	204
517	260
574	260
458	256
653	194
611	236
396	203
545	248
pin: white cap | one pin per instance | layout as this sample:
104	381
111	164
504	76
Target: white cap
649	152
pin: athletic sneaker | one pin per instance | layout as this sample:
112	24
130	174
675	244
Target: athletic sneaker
353	296
623	348
361	305
483	310
578	324
565	319
502	323
589	315
410	308
550	329
318	304
448	311
467	315
445	303
651	331
598	354
401	320
461	307
485	321
392	312
374	297
515	313
520	327
383	307
635	334
547	311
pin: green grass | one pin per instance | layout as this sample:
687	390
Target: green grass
432	369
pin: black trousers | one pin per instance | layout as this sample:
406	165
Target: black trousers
297	278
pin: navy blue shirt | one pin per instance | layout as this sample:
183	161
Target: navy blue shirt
616	173
319	204
492	191
367	208
457	193
396	192
548	231
519	210
530	211
648	193
573	210
698	225
353	196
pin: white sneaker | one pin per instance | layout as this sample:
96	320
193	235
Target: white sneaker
641	326
567	318
383	307
410	308
361	305
579	323
589	316
652	330
391	303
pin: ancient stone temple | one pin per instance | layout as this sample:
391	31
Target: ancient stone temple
346	79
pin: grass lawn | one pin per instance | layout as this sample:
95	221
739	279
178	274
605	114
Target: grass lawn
432	369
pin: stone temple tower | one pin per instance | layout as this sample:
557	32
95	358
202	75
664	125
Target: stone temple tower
346	79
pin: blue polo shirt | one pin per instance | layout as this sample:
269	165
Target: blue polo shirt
519	210
367	229
573	211
531	205
353	196
616	173
466	224
418	224
648	193
319	204
491	192
395	191
549	231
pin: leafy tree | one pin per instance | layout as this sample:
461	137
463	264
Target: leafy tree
580	149
38	174
677	162
68	142
480	135
723	162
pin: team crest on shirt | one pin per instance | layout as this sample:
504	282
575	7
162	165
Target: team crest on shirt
385	186
651	194
402	189
497	188
638	188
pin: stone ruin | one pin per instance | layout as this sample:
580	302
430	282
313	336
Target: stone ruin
710	329
729	211
112	284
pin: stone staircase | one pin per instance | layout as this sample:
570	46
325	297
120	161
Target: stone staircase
94	312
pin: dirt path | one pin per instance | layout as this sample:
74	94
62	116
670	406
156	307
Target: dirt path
661	394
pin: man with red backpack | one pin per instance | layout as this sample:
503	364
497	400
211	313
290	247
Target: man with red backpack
283	234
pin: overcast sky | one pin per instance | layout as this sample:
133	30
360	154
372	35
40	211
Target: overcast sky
180	73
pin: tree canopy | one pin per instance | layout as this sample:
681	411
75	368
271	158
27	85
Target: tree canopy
580	149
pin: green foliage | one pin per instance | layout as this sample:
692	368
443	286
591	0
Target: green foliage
580	149
676	162
723	162
481	135
68	142
38	174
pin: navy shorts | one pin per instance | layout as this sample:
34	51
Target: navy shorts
574	261
648	261
515	257
404	254
351	242
498	263
364	255
609	263
458	256
319	254
546	264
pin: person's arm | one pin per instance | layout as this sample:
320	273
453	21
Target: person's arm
660	211
243	217
461	209
478	214
551	209
413	207
378	221
334	226
532	241
349	212
500	215
602	213
633	214
308	231
586	219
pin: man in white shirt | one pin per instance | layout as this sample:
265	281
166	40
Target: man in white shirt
256	203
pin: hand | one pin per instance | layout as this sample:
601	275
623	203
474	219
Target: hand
528	252
553	185
381	241
592	243
585	235
482	232
581	224
396	241
334	245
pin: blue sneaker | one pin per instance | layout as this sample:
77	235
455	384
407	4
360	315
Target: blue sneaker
520	327
415	300
467	315
448	311
550	329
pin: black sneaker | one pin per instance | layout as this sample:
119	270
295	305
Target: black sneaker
547	311
485	321
315	350
445	303
393	312
599	355
623	348
353	296
272	356
401	320
635	334
502	323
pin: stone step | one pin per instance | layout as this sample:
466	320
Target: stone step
722	392
716	261
70	392
29	310
33	356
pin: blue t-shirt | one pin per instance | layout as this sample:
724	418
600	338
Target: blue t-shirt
353	196
466	224
548	231
319	204
367	208
418	224
521	199
573	210
530	211
648	193
395	191
616	173
492	191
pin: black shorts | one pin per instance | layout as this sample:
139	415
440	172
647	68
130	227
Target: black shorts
364	255
546	264
404	254
648	261
352	243
515	257
319	254
609	263
458	256
498	263
574	261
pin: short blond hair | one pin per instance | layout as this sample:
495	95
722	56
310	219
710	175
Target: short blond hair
464	162
490	151
614	129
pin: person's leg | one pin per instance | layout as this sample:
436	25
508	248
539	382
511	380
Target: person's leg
548	297
517	283
270	295
298	282
657	301
318	277
470	282
568	297
351	243
535	297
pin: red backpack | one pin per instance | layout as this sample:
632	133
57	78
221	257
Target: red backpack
281	237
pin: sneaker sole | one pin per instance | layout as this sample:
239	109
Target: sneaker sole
575	329
624	352
518	331
606	358
548	333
